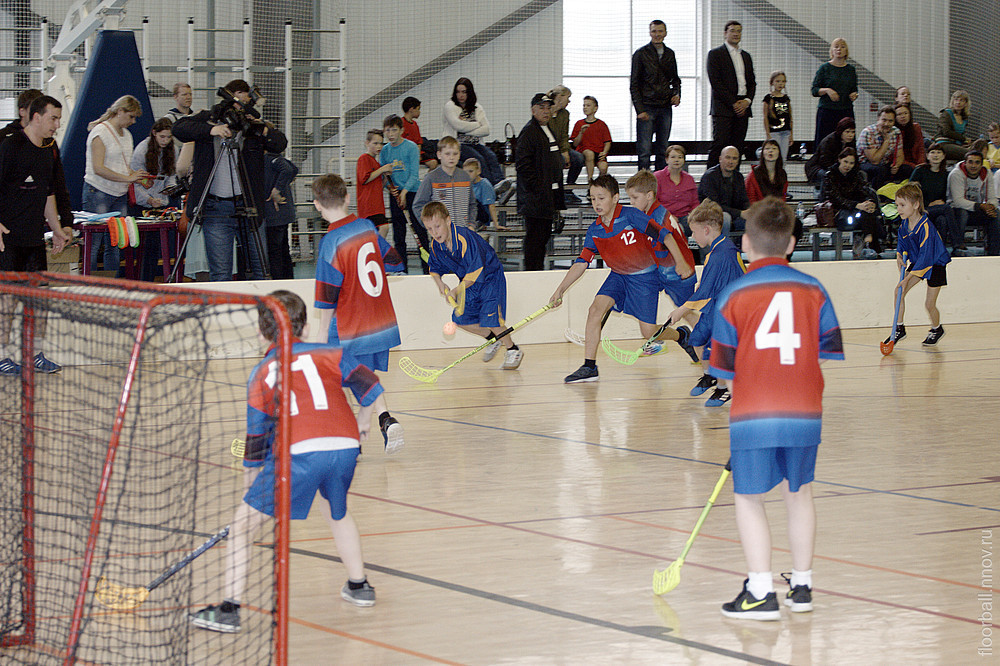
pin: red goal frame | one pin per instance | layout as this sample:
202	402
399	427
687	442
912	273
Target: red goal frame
31	286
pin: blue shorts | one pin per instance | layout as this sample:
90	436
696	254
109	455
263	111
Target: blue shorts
678	290
634	295
329	472
485	304
756	471
377	361
701	335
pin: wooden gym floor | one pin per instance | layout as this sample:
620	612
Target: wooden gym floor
523	520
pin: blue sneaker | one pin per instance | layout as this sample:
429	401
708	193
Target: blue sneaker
582	374
43	364
653	348
8	367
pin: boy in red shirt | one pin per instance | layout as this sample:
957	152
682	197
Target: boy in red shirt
592	138
411	131
368	179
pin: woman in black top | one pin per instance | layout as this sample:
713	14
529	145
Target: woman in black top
933	180
829	148
846	186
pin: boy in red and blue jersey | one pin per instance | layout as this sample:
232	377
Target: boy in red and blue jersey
674	259
352	291
920	244
625	238
325	438
462	251
722	265
772	330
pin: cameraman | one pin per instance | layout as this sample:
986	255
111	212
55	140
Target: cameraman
208	129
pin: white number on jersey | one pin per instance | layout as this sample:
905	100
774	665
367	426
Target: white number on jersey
305	365
369	272
785	339
629	237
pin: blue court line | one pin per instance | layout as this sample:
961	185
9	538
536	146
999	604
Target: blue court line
655	632
684	459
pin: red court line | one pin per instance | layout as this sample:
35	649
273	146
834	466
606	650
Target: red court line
354	637
817	556
638	553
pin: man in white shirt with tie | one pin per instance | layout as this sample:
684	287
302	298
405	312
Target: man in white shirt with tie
731	75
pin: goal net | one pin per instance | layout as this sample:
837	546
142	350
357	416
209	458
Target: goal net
119	466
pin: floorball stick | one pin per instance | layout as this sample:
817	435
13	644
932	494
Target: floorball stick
119	597
667	579
886	347
629	357
429	376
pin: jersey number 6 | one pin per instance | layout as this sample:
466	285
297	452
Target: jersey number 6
369	272
785	339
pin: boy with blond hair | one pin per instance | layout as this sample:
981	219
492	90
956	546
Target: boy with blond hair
462	251
450	185
722	266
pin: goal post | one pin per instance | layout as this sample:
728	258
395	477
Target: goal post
118	481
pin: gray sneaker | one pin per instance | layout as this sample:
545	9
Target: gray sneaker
224	617
363	596
491	351
512	359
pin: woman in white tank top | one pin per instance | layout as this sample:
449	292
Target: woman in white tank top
108	174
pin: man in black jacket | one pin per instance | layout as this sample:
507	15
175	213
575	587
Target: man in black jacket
731	75
656	89
220	222
538	163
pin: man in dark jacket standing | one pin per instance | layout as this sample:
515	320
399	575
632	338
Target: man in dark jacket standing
656	89
538	163
731	75
220	221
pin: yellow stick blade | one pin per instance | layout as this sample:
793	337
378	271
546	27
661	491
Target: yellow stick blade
117	597
667	579
416	372
238	447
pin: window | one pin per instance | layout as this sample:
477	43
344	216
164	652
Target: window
597	58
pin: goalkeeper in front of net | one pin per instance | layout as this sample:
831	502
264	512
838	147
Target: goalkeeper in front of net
325	436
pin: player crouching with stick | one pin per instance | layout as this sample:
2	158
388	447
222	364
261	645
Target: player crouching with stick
772	329
462	251
325	444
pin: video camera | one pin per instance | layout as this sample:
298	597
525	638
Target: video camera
236	115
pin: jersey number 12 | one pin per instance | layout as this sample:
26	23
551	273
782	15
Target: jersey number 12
785	339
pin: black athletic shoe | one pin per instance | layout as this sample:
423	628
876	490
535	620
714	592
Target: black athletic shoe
583	374
747	607
392	434
799	599
684	334
900	334
706	382
719	397
933	336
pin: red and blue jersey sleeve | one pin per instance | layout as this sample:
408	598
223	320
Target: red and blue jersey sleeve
391	260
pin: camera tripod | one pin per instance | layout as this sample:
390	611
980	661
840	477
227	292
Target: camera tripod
247	230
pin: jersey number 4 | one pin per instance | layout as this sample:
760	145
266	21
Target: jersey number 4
785	339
